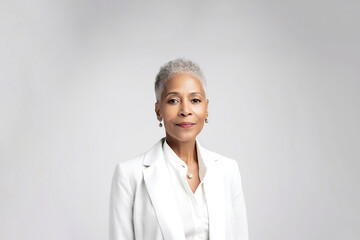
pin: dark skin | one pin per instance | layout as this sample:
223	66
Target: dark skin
191	162
183	100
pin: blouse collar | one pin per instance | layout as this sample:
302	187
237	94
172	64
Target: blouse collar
170	155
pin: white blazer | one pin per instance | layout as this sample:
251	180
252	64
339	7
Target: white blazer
143	204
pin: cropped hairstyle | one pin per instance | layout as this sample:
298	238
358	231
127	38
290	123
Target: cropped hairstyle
179	65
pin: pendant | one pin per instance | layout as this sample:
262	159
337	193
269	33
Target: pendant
189	175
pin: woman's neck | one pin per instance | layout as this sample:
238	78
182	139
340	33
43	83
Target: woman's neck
186	151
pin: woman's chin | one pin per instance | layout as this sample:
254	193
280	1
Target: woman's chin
183	137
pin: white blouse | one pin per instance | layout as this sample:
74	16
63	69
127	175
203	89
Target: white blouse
192	206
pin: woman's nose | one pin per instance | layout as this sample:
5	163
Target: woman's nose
185	108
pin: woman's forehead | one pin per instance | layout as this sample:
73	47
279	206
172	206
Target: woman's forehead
183	83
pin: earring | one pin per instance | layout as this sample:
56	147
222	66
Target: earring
206	120
160	124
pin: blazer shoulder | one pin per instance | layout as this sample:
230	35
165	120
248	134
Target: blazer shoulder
133	163
228	165
222	159
131	168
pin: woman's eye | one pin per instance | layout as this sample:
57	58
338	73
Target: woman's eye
172	101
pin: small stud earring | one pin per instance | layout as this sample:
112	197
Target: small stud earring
206	120
160	124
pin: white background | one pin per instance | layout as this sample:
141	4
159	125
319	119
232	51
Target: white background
77	97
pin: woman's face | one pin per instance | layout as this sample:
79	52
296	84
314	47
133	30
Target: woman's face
182	101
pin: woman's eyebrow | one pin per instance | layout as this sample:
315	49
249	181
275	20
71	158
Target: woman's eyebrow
176	93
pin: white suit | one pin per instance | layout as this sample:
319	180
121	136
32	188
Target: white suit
143	204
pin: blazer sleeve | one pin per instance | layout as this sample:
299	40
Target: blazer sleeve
239	207
121	207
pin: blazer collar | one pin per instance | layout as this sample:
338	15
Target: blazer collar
158	183
155	154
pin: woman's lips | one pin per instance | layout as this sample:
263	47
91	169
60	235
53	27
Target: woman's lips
185	125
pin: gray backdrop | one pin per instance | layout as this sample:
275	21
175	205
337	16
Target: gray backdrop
77	97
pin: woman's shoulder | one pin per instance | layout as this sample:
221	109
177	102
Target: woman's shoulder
229	167
132	166
137	162
221	159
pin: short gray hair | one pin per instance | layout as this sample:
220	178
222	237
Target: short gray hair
179	65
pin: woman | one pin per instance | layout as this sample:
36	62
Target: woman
178	189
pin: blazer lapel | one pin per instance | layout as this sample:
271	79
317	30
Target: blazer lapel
158	184
214	194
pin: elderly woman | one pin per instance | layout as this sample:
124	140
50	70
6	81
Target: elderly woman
178	189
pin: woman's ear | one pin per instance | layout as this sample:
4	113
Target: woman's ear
157	111
207	104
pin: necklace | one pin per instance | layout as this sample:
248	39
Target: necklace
190	174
